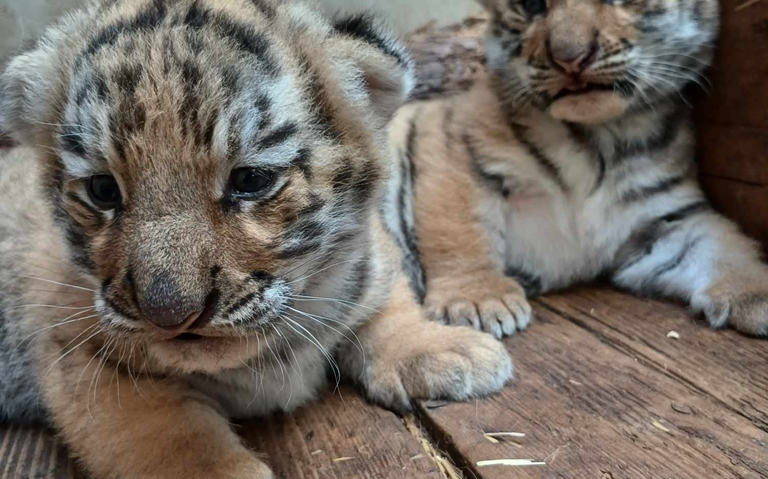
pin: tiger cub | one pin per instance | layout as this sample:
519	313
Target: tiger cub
573	160
191	232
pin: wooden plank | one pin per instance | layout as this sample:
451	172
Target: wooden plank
33	452
727	366
734	152
591	407
733	119
740	95
742	202
339	436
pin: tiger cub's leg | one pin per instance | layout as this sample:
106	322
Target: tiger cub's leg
409	357
701	257
464	285
123	426
477	296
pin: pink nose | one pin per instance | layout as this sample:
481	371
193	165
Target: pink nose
575	60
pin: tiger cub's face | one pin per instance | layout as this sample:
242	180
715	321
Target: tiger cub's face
590	61
207	159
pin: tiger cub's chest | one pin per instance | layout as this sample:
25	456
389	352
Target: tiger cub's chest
557	234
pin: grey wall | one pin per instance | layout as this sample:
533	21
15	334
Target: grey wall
406	15
24	20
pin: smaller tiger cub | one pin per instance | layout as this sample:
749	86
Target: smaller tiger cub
574	160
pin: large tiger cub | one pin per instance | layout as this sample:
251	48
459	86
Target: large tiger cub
574	160
192	233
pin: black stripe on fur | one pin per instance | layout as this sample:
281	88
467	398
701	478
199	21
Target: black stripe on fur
492	181
646	192
641	241
243	36
323	111
530	282
362	26
685	212
357	284
266	8
662	139
277	136
148	19
96	215
411	255
79	247
546	164
649	284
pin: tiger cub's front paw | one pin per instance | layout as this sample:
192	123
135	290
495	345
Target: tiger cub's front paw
438	362
488	302
744	308
244	467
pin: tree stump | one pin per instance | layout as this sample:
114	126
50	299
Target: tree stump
447	60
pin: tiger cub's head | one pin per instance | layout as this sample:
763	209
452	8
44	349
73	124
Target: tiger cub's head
208	160
590	61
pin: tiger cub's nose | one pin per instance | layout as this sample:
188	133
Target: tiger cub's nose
574	59
164	305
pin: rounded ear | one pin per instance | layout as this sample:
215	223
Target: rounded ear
31	84
385	66
489	5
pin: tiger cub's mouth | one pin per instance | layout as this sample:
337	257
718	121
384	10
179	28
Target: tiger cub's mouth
576	88
188	337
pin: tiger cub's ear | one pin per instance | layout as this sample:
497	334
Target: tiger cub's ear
386	68
488	4
29	89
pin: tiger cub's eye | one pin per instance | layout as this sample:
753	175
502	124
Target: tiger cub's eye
535	7
104	192
250	181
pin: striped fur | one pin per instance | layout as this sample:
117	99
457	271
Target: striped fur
167	100
559	173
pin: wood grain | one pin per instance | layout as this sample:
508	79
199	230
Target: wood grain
340	436
740	73
593	406
734	152
745	203
27	453
724	365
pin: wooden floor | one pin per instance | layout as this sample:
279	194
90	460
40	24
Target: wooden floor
601	393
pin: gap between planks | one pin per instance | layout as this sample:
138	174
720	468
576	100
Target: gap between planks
443	461
644	359
443	442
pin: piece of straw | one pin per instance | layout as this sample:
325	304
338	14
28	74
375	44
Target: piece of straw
504	434
746	4
510	462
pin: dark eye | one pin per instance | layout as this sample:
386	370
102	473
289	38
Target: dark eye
535	7
104	191
250	181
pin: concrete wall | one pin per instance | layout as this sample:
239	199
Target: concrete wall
24	20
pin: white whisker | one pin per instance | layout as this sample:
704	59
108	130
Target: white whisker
68	320
59	283
300	297
320	319
315	342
